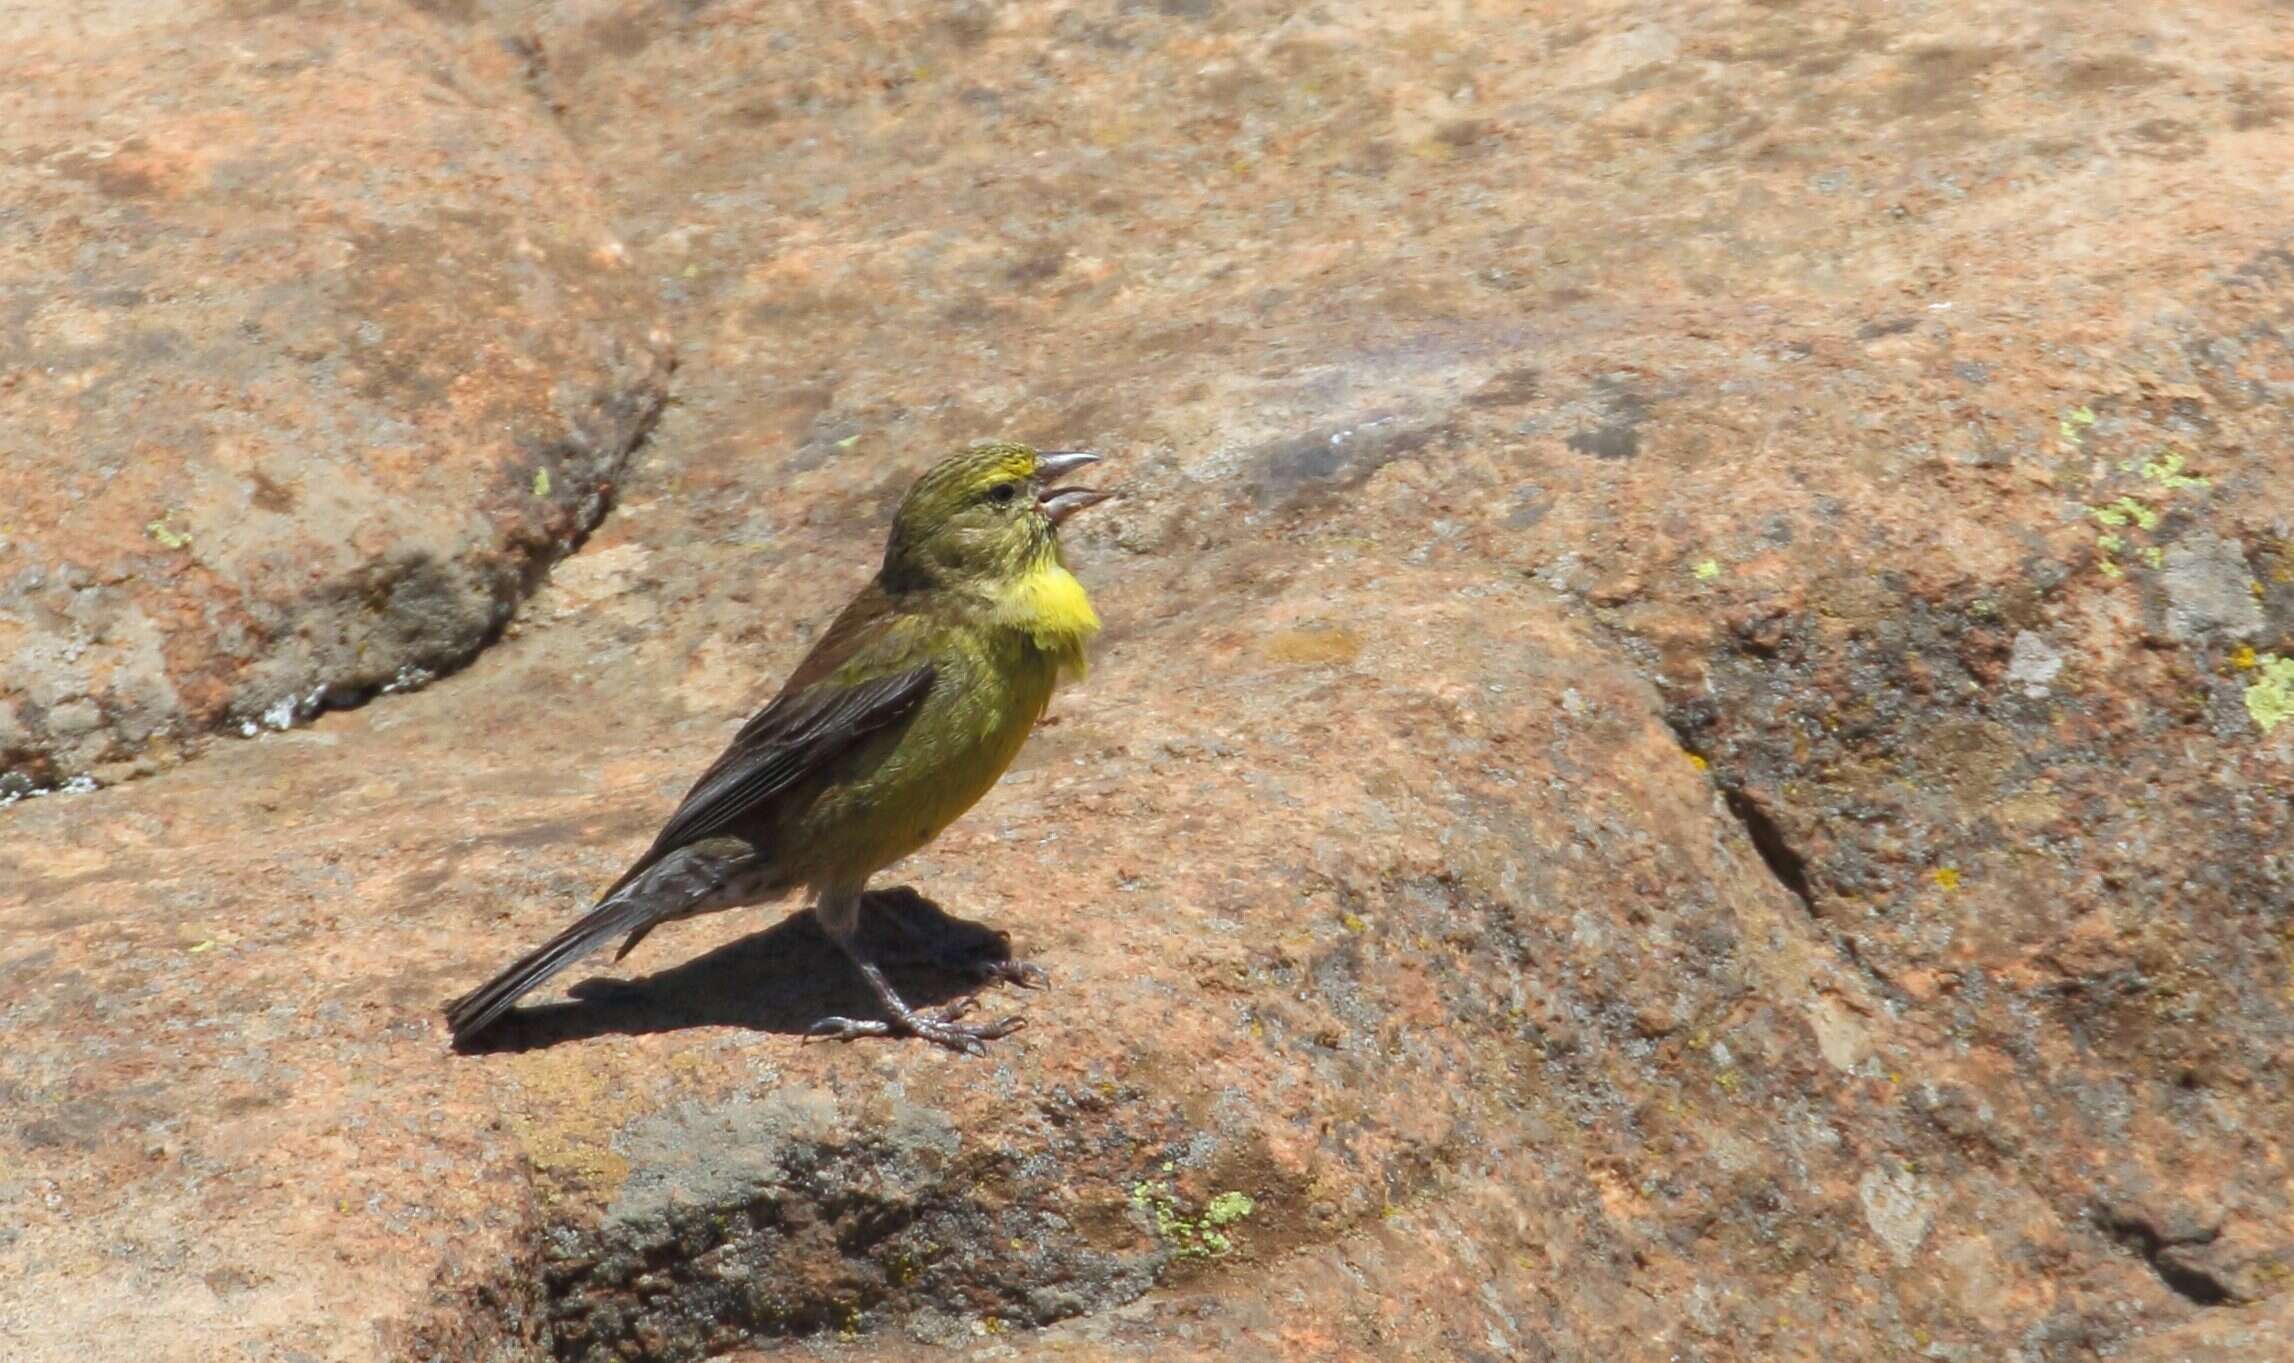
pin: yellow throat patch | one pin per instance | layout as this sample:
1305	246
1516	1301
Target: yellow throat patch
1050	607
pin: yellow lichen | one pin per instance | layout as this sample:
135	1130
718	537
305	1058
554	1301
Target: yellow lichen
2270	700
168	536
2125	511
1192	1237
2167	472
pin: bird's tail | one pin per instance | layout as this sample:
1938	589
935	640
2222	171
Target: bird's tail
474	1011
689	881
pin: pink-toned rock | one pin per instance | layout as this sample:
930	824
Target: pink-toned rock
315	350
1646	795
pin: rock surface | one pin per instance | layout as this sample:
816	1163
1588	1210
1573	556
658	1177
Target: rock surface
315	350
1682	768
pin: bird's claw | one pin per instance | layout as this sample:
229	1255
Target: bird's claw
846	1029
971	1038
1020	974
941	1028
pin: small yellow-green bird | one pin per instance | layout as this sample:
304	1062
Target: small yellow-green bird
908	709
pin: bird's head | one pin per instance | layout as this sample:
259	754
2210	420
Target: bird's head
989	513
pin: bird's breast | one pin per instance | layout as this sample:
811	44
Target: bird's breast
988	690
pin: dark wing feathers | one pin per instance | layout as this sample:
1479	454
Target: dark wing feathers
786	743
783	744
863	675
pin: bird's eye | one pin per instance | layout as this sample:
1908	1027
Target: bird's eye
1003	493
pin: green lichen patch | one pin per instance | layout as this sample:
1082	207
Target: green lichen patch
2125	511
2073	427
169	536
2122	519
2270	697
2167	471
1192	1234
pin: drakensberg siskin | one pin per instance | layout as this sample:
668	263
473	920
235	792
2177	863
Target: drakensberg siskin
908	709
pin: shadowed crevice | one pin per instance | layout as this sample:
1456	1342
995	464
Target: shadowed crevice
1786	863
2162	1251
1783	860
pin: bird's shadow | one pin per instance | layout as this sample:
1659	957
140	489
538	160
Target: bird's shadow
783	979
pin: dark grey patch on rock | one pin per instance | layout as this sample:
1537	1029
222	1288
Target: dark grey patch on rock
966	23
829	437
1072	26
82	1123
779	1215
2209	590
1038	264
1508	388
1619	437
1331	457
1197	10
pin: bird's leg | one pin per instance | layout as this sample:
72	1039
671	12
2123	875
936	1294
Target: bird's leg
839	916
941	1027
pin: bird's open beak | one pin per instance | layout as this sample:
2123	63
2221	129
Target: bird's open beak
1059	503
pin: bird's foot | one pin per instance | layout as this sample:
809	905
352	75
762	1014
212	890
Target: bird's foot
942	1028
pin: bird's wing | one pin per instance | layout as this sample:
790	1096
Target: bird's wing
863	676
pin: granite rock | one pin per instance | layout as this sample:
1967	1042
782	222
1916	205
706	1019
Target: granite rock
316	349
1670	774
